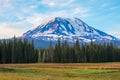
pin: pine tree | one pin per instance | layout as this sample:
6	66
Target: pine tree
57	54
51	52
77	51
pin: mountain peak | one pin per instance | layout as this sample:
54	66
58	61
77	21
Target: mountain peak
67	28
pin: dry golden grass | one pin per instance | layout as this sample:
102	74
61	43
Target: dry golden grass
65	65
70	71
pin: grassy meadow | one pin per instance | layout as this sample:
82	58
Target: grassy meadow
49	71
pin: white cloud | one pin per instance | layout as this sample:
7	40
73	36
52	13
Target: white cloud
8	32
92	0
113	8
60	3
6	6
36	19
67	3
32	6
115	33
52	3
83	12
105	5
48	2
61	13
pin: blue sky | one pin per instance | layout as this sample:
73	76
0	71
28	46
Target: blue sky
19	16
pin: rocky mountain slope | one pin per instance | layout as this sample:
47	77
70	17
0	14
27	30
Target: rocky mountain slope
68	29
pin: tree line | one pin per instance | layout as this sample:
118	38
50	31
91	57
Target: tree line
76	53
17	51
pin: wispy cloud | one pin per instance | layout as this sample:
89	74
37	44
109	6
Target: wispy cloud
8	32
83	12
79	10
37	18
48	2
92	0
115	33
5	7
105	5
5	4
60	3
68	3
51	3
113	8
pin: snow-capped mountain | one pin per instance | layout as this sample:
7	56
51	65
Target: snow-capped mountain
68	29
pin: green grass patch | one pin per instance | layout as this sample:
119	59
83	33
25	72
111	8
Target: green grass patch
19	71
54	71
90	71
9	70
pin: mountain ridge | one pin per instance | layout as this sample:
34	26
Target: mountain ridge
68	29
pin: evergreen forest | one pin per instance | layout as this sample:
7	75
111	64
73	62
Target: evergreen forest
23	51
